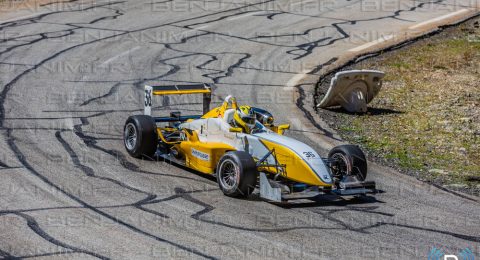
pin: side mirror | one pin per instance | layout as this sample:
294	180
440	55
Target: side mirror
235	130
282	128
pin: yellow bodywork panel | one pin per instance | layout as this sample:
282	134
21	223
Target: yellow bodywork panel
296	168
201	156
216	112
181	89
280	129
219	111
180	92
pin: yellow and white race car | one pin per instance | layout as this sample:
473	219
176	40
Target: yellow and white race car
244	149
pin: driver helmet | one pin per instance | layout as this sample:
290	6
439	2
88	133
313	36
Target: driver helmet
245	118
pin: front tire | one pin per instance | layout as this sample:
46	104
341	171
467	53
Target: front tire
140	136
237	174
349	161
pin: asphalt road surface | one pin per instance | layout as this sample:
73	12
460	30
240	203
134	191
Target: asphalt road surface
72	72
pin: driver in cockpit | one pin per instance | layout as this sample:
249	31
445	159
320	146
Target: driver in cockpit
243	116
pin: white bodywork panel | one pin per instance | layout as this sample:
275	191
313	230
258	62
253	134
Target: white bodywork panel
353	90
267	191
215	130
307	153
148	100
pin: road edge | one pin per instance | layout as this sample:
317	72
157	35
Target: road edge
409	35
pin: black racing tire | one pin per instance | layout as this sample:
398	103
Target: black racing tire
145	141
237	174
353	158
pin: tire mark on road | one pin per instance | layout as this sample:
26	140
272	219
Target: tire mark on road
90	173
91	142
35	227
113	90
180	193
460	236
21	157
301	104
327	214
4	165
213	57
7	255
59	2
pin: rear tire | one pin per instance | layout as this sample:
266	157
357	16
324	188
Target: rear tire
351	160
140	136
237	174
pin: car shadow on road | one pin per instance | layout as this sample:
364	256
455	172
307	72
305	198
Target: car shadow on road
330	200
157	158
318	201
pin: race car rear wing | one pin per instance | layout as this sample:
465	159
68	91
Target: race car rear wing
204	89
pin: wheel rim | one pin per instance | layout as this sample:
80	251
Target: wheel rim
130	136
229	174
342	167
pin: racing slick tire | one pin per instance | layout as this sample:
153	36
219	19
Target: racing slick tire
140	136
237	174
350	161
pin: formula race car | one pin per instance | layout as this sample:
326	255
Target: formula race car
244	149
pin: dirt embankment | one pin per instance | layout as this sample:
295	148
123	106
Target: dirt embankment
426	120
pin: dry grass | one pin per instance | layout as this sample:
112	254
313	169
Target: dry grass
435	88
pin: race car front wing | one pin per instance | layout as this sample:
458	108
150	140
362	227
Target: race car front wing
275	192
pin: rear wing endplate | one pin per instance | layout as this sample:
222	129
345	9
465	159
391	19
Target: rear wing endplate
204	89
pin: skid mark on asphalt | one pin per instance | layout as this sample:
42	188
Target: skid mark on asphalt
24	162
217	74
302	95
302	50
89	171
91	142
4	165
35	227
113	90
328	214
